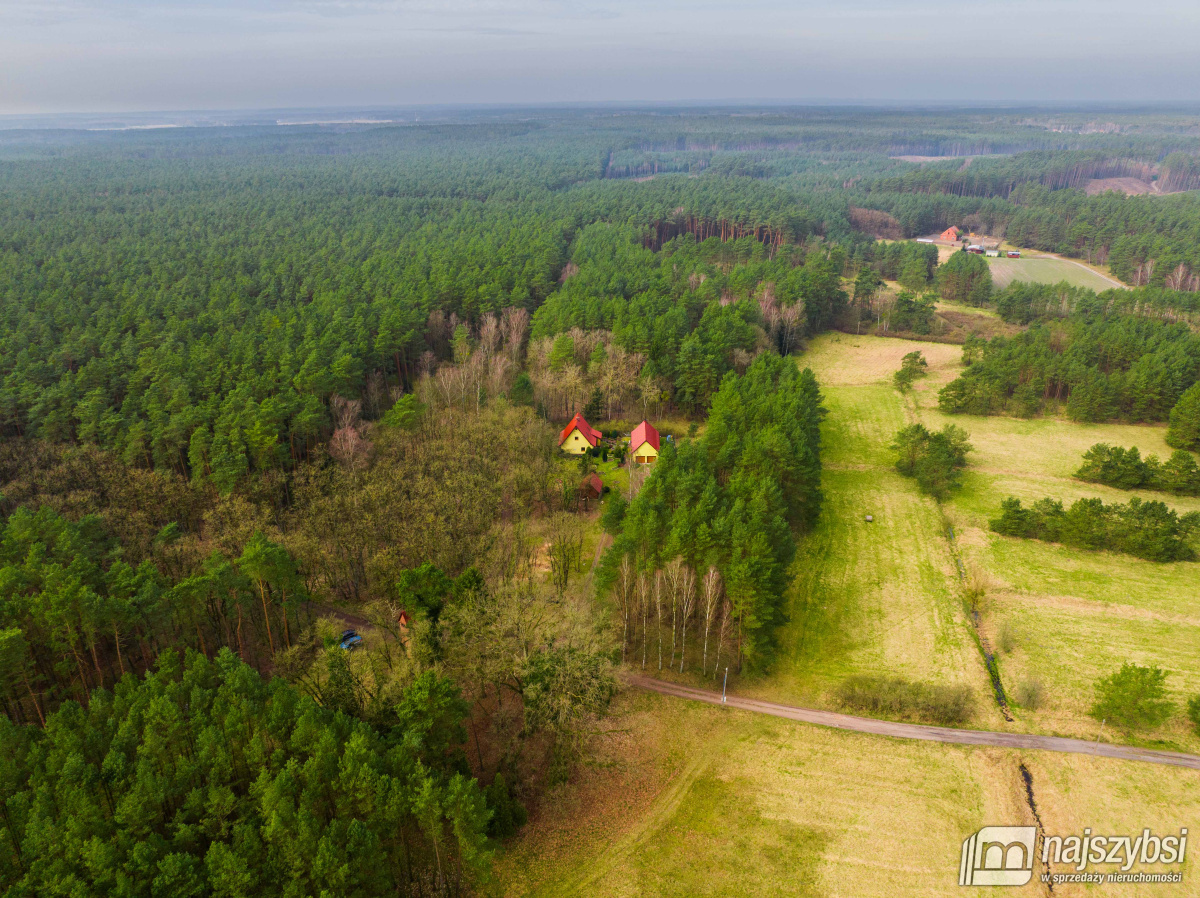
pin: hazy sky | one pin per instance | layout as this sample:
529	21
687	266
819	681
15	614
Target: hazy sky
129	55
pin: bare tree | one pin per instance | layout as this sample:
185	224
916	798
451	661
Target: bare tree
658	611
514	321
674	578
348	443
643	592
497	375
626	598
791	324
712	596
566	548
489	335
1177	278
725	612
687	603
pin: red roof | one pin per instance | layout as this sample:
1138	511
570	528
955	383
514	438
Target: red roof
593	480
589	433
644	433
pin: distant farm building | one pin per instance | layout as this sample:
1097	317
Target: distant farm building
643	444
976	249
950	235
1014	254
578	436
993	253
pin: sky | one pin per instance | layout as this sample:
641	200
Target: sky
144	55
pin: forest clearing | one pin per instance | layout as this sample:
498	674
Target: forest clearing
1047	270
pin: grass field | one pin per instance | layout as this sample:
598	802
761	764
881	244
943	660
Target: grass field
694	800
681	799
1072	615
1046	270
874	598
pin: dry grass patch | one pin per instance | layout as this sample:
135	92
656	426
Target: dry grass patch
690	799
846	360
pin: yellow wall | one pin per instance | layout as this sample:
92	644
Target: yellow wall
645	454
575	443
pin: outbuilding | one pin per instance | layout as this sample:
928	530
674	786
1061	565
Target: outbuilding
590	490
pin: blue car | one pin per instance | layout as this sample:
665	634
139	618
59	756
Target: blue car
350	640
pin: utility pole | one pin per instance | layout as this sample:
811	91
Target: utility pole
1101	733
724	684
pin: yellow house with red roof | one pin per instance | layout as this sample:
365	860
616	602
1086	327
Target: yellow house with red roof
643	444
578	436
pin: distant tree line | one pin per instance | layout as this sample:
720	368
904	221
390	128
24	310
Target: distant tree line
1148	530
1103	368
1127	470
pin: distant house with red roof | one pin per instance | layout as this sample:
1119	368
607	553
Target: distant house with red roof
950	235
643	444
578	436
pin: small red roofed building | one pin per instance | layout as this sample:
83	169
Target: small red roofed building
643	444
578	436
590	490
950	235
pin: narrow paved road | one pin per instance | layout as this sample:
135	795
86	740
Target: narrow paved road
928	733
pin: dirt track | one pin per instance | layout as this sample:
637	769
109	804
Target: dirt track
927	733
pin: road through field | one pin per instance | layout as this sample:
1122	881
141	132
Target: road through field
926	733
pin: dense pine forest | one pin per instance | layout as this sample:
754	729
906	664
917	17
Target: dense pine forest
267	391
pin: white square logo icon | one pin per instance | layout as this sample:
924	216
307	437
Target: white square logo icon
998	856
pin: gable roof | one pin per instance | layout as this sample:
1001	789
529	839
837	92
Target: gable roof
953	228
578	423
593	480
644	433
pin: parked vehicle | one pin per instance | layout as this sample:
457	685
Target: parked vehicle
350	640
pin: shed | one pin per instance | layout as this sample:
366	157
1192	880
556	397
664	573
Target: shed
590	490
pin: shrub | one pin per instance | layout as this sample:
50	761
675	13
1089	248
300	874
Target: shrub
508	814
1148	530
912	366
1133	698
1029	694
934	459
1007	638
1193	712
895	697
1125	469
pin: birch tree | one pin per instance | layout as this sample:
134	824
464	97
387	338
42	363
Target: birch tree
687	603
711	598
